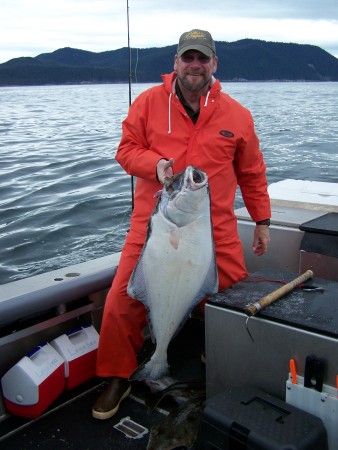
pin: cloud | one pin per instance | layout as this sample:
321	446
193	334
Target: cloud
38	26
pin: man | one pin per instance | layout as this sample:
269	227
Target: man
186	120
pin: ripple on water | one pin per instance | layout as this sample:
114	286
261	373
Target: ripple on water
63	198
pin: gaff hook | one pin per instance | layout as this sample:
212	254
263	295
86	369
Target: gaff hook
254	308
247	328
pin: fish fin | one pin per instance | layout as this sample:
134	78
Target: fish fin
180	391
158	194
150	371
137	286
161	385
210	283
174	237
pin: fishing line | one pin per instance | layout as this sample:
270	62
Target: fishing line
117	228
136	65
129	83
258	279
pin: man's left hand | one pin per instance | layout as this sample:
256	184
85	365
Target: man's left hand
261	239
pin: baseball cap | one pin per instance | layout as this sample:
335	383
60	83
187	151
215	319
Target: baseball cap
196	40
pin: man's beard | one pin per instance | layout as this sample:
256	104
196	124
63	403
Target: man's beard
193	87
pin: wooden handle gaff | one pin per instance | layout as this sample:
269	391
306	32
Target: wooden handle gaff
254	308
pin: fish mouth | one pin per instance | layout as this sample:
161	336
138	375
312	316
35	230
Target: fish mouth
180	194
191	179
194	179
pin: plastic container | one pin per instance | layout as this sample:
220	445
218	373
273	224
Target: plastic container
79	350
245	418
32	384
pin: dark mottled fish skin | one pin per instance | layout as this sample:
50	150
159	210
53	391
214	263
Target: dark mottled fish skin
180	391
179	428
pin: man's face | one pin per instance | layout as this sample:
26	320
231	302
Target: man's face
194	70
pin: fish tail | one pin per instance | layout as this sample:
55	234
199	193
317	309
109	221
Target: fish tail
150	371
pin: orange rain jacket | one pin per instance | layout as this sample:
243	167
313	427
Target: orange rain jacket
222	143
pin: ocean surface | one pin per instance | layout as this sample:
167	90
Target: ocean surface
64	199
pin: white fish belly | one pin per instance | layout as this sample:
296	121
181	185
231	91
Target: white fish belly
172	275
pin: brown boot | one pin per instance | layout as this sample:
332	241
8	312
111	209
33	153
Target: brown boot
109	400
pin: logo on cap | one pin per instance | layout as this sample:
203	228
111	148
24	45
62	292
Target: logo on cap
195	34
200	40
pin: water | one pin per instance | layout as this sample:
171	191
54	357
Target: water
63	198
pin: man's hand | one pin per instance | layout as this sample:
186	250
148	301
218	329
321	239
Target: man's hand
164	169
261	239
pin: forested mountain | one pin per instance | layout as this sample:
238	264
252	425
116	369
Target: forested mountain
245	60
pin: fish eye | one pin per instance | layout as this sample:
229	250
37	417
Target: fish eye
176	183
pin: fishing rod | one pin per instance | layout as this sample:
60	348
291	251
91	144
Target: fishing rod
129	82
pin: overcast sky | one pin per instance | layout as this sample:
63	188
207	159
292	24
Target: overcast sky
31	27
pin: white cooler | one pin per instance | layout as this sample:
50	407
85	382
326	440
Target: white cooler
79	350
34	382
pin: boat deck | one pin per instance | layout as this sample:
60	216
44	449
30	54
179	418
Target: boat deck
68	423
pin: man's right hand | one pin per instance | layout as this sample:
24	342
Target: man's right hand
164	169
